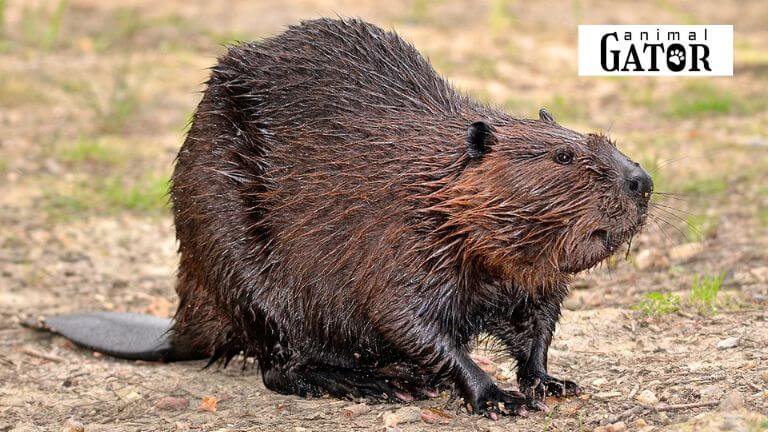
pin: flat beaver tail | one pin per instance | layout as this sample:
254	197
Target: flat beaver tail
123	335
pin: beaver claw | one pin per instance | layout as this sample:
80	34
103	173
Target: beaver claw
539	387
493	401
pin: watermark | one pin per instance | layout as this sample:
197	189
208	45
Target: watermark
656	50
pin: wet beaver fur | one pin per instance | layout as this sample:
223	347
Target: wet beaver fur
354	223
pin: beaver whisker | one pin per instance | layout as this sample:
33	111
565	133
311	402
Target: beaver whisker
661	228
668	207
629	246
672	195
688	223
677	228
664	163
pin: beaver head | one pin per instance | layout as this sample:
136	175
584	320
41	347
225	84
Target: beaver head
539	201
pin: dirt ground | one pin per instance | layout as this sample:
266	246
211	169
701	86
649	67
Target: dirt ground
94	99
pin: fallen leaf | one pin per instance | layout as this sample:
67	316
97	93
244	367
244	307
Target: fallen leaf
208	404
435	416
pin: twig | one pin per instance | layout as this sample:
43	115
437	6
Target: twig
636	410
35	353
684	406
633	392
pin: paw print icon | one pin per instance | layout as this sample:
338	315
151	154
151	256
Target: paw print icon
676	57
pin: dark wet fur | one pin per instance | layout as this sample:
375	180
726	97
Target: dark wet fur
335	223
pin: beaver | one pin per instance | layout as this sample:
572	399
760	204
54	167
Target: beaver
352	222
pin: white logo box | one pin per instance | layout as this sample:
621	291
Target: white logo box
605	51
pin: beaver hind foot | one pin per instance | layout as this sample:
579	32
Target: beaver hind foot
537	388
392	383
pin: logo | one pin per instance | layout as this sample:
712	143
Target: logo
656	50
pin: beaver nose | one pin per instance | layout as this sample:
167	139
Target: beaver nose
638	183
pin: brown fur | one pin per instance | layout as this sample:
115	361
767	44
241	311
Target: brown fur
333	217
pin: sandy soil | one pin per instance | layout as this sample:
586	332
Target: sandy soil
94	97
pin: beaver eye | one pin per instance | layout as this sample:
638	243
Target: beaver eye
564	157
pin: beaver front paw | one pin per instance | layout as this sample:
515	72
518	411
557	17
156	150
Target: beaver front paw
538	386
491	401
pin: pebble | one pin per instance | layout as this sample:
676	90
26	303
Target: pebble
685	251
647	397
353	411
599	382
710	391
765	376
760	273
73	426
757	141
731	342
639	423
649	259
171	403
615	427
663	417
409	414
732	401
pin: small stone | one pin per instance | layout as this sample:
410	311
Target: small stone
685	251
757	141
760	273
731	342
170	403
608	395
599	382
647	397
615	427
732	401
128	393
710	391
765	376
649	259
73	426
644	259
353	411
409	414
639	423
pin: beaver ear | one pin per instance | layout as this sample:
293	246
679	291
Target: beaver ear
545	116
480	138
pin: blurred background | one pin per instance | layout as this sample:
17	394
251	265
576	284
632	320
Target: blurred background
95	97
